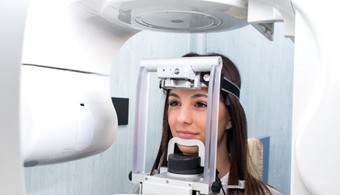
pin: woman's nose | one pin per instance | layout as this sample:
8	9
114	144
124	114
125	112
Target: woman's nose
185	115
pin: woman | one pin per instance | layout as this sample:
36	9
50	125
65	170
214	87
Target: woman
185	117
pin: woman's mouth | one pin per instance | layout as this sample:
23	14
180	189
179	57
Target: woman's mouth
184	134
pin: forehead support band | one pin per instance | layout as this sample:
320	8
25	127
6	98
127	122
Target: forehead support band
226	85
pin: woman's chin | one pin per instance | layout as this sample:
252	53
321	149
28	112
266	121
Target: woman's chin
189	150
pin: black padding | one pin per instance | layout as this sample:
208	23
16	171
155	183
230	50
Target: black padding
184	164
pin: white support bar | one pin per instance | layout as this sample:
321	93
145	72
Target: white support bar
187	142
198	64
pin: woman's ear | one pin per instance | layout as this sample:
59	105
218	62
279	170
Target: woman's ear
229	125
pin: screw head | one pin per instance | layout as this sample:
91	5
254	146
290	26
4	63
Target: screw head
206	77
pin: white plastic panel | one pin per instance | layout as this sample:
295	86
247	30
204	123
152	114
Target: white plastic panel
66	35
316	111
65	115
263	13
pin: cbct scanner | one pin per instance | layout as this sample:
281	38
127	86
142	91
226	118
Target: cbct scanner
45	119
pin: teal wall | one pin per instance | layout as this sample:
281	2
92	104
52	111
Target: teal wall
267	71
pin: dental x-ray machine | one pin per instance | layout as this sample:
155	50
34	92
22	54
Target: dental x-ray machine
35	41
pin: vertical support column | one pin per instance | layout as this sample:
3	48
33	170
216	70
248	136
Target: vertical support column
12	22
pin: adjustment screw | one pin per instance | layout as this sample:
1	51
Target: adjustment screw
206	77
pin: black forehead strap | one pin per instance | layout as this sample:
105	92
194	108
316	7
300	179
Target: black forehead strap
229	87
226	85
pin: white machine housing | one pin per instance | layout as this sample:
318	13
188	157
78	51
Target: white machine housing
66	107
66	115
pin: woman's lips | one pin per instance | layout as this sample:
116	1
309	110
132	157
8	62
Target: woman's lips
186	134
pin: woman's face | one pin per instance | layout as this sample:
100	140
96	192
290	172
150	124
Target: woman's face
187	111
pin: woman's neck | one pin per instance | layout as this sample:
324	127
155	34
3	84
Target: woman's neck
222	160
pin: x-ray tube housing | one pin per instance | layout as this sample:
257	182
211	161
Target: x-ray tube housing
66	115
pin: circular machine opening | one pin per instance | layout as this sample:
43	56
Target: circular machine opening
178	21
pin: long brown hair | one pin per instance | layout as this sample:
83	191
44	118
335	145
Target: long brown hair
237	138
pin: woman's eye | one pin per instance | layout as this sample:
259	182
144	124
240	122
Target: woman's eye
174	103
201	105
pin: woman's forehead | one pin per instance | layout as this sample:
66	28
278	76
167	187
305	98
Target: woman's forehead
188	92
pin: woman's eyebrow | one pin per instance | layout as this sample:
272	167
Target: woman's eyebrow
199	95
174	95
